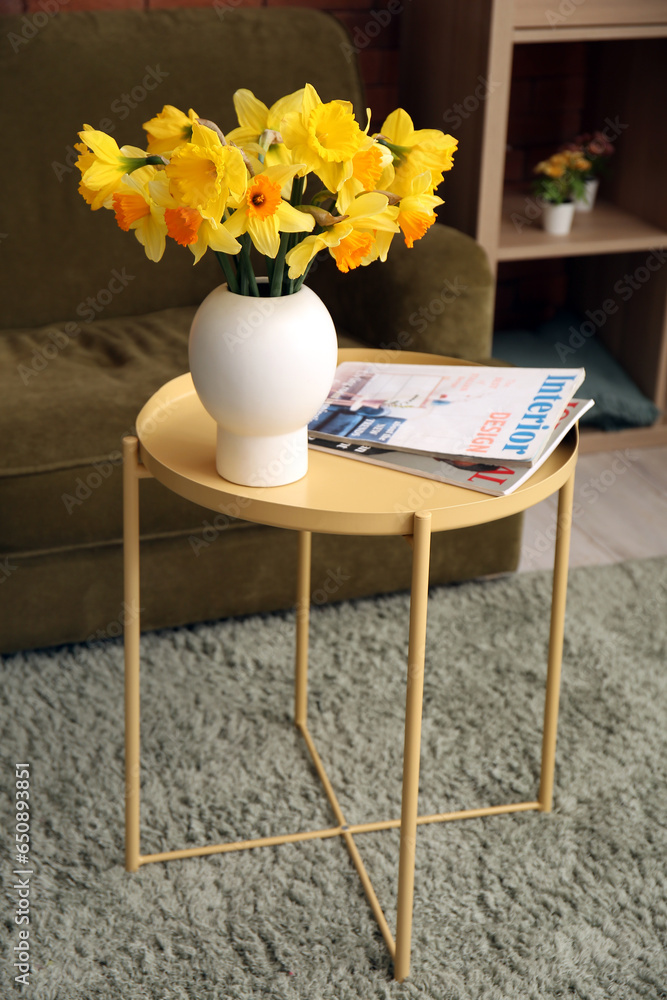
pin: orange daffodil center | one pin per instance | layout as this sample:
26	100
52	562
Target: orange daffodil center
129	208
263	197
264	214
361	236
187	226
416	211
183	224
135	209
352	250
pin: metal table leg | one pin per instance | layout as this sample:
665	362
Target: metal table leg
131	576
413	720
558	598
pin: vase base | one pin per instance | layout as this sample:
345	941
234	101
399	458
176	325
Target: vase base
275	460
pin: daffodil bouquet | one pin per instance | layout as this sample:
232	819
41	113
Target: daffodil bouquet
290	180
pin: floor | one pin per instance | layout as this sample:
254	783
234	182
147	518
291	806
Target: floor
620	511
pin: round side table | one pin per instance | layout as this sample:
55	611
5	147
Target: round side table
176	444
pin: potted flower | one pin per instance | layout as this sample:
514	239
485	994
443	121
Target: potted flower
287	182
560	180
596	149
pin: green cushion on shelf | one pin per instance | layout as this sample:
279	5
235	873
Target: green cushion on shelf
618	402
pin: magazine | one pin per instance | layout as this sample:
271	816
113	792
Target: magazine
478	412
497	480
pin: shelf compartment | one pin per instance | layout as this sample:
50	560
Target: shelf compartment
607	229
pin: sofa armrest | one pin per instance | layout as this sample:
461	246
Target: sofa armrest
436	297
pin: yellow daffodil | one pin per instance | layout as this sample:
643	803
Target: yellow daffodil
416	211
169	129
258	125
109	164
416	151
350	242
96	199
324	137
372	168
203	173
264	214
135	209
190	229
187	226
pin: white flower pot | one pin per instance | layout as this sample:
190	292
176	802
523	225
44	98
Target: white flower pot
557	219
586	203
262	367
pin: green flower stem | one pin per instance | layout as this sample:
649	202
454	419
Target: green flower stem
396	150
297	190
226	265
296	197
270	264
246	265
279	268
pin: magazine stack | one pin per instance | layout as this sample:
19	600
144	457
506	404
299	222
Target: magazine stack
481	427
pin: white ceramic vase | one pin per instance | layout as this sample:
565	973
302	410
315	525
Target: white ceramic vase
586	203
262	367
557	219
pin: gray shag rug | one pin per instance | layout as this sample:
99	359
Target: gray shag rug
571	904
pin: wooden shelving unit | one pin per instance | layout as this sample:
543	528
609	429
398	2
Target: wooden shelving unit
457	74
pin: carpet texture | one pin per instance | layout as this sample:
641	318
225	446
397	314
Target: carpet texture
571	904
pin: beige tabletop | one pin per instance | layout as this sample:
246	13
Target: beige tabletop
340	496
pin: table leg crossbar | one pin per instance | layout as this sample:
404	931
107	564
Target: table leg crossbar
343	829
420	542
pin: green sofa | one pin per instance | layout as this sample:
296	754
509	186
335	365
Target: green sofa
91	328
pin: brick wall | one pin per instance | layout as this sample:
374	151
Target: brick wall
373	25
547	105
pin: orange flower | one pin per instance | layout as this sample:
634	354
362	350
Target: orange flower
352	250
262	212
414	225
183	224
263	197
128	208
